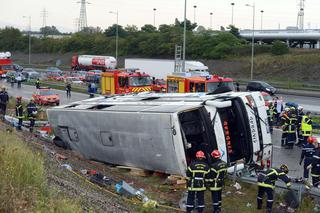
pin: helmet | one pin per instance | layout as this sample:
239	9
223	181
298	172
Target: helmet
200	154
311	139
19	98
300	108
284	168
286	109
216	154
3	87
31	99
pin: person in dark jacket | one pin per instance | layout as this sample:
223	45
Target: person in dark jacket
266	184
292	128
197	173
315	164
215	181
68	89
19	112
299	131
308	150
4	99
32	113
284	125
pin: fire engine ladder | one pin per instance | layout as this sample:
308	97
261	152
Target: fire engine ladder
177	59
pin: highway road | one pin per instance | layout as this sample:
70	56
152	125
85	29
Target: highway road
26	92
308	103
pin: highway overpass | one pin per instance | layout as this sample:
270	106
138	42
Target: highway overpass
293	37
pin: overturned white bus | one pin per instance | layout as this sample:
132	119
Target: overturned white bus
162	132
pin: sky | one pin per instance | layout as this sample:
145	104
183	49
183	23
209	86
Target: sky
63	13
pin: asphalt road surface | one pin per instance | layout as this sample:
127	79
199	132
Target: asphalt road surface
291	157
308	103
26	92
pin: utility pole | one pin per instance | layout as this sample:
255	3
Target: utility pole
232	6
300	18
262	19
154	16
117	31
211	20
184	37
29	33
252	42
194	13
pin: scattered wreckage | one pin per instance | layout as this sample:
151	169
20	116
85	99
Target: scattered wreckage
162	132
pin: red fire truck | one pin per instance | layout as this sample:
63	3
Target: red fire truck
123	81
5	63
187	82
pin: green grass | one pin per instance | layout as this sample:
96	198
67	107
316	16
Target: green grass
23	183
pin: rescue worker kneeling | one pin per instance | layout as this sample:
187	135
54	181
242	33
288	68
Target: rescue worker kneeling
215	181
266	184
197	172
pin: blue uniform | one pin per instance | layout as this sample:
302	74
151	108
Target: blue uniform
315	171
307	153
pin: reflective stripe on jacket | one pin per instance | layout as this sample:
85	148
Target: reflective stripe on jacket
197	173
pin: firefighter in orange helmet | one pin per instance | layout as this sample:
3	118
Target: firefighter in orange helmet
196	175
215	181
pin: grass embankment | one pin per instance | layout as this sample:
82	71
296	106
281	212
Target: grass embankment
23	183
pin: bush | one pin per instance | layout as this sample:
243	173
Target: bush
279	48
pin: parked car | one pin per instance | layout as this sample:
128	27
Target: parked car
46	96
73	80
17	67
261	86
30	73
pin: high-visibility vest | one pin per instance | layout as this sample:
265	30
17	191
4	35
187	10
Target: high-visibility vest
305	127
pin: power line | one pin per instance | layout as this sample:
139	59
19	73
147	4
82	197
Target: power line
83	15
44	15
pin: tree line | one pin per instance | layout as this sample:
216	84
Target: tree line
148	41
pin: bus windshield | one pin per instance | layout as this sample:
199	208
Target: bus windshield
140	81
212	86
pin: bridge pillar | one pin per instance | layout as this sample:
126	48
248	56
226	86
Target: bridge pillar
288	43
318	44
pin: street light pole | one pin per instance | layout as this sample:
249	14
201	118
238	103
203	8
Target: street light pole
252	42
262	19
29	34
211	20
184	37
232	6
117	32
194	13
154	16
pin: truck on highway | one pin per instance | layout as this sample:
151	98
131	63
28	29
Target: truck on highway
93	62
5	63
160	68
124	81
162	132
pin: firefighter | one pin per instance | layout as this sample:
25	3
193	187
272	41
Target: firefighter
197	173
215	181
292	126
4	99
32	113
299	131
271	112
284	123
38	83
12	80
266	184
19	112
315	165
306	126
308	150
